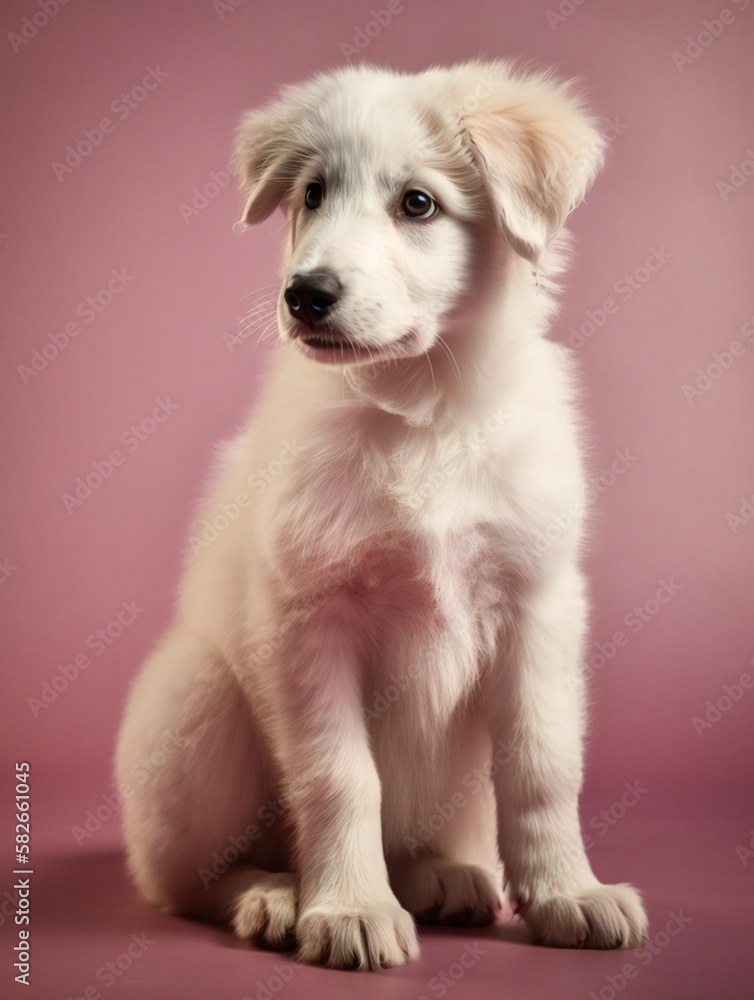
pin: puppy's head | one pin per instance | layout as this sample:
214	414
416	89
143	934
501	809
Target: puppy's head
399	186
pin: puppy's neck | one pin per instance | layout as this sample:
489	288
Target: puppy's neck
474	363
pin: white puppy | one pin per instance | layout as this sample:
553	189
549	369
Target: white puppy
373	684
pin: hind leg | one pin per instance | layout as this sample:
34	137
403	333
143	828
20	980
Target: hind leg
204	832
446	870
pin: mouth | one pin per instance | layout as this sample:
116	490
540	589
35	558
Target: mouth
332	348
322	343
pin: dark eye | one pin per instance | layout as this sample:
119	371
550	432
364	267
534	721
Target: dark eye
314	195
418	205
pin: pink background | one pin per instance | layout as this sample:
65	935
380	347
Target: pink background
164	336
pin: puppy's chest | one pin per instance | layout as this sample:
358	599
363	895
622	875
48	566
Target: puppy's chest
432	609
431	578
411	550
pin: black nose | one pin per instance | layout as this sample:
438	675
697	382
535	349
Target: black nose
310	297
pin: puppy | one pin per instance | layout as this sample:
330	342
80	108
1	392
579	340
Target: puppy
371	696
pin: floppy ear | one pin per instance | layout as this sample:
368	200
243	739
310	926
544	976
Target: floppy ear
537	151
267	154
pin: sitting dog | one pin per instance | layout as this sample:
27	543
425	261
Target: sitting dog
372	687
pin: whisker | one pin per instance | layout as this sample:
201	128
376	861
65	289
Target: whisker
262	304
258	314
431	371
257	291
266	332
451	356
249	322
244	329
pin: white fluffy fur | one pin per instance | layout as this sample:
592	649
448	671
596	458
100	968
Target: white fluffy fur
388	633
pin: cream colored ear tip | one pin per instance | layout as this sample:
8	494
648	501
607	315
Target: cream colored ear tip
240	226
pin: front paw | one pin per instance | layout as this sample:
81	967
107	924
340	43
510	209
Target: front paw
265	914
601	916
372	936
439	891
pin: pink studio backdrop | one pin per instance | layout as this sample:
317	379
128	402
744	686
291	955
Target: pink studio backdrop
126	258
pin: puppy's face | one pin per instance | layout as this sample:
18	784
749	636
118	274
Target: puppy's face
393	186
380	241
